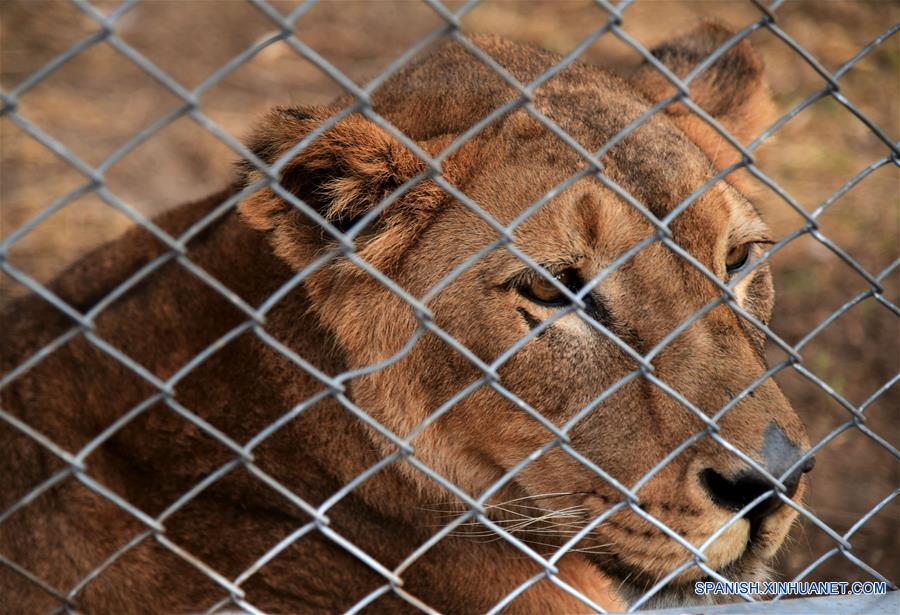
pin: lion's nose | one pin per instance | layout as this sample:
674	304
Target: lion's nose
778	454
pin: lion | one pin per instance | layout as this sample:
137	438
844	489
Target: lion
310	406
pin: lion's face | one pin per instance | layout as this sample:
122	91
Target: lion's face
551	357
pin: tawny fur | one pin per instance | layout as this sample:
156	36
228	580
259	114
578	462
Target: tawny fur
341	318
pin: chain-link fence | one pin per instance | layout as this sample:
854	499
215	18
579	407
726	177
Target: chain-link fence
468	517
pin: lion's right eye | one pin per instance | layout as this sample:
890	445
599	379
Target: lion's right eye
737	258
543	292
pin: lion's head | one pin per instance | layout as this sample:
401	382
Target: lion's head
514	345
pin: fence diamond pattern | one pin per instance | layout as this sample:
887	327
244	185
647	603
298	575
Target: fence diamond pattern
77	463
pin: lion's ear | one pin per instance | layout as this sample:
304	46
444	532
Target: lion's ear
732	90
341	174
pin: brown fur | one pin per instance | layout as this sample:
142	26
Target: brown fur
340	318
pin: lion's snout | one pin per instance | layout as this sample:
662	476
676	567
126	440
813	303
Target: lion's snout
736	488
778	456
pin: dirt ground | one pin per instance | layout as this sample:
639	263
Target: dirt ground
99	100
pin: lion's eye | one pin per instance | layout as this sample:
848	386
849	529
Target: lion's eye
541	291
737	258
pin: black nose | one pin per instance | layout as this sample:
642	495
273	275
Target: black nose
777	455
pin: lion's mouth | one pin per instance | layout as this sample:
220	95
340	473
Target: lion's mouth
633	584
634	581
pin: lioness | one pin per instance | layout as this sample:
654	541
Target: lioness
164	476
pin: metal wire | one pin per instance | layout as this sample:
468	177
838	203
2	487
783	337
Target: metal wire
77	462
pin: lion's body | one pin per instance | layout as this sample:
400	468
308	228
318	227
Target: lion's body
160	456
339	319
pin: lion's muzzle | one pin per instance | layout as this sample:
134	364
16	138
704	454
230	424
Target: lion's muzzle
778	455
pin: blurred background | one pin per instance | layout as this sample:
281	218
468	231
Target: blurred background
99	100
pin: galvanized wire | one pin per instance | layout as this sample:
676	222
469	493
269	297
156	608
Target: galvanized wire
76	462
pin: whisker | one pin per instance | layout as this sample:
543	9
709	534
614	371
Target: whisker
624	581
530	522
541	496
591	551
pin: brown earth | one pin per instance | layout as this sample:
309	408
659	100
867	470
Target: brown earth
99	100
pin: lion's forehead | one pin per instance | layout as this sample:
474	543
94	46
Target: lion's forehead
579	110
450	90
643	177
655	165
575	120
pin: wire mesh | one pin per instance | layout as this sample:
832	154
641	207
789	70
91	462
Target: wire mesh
76	464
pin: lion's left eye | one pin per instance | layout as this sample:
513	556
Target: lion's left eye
737	258
543	292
